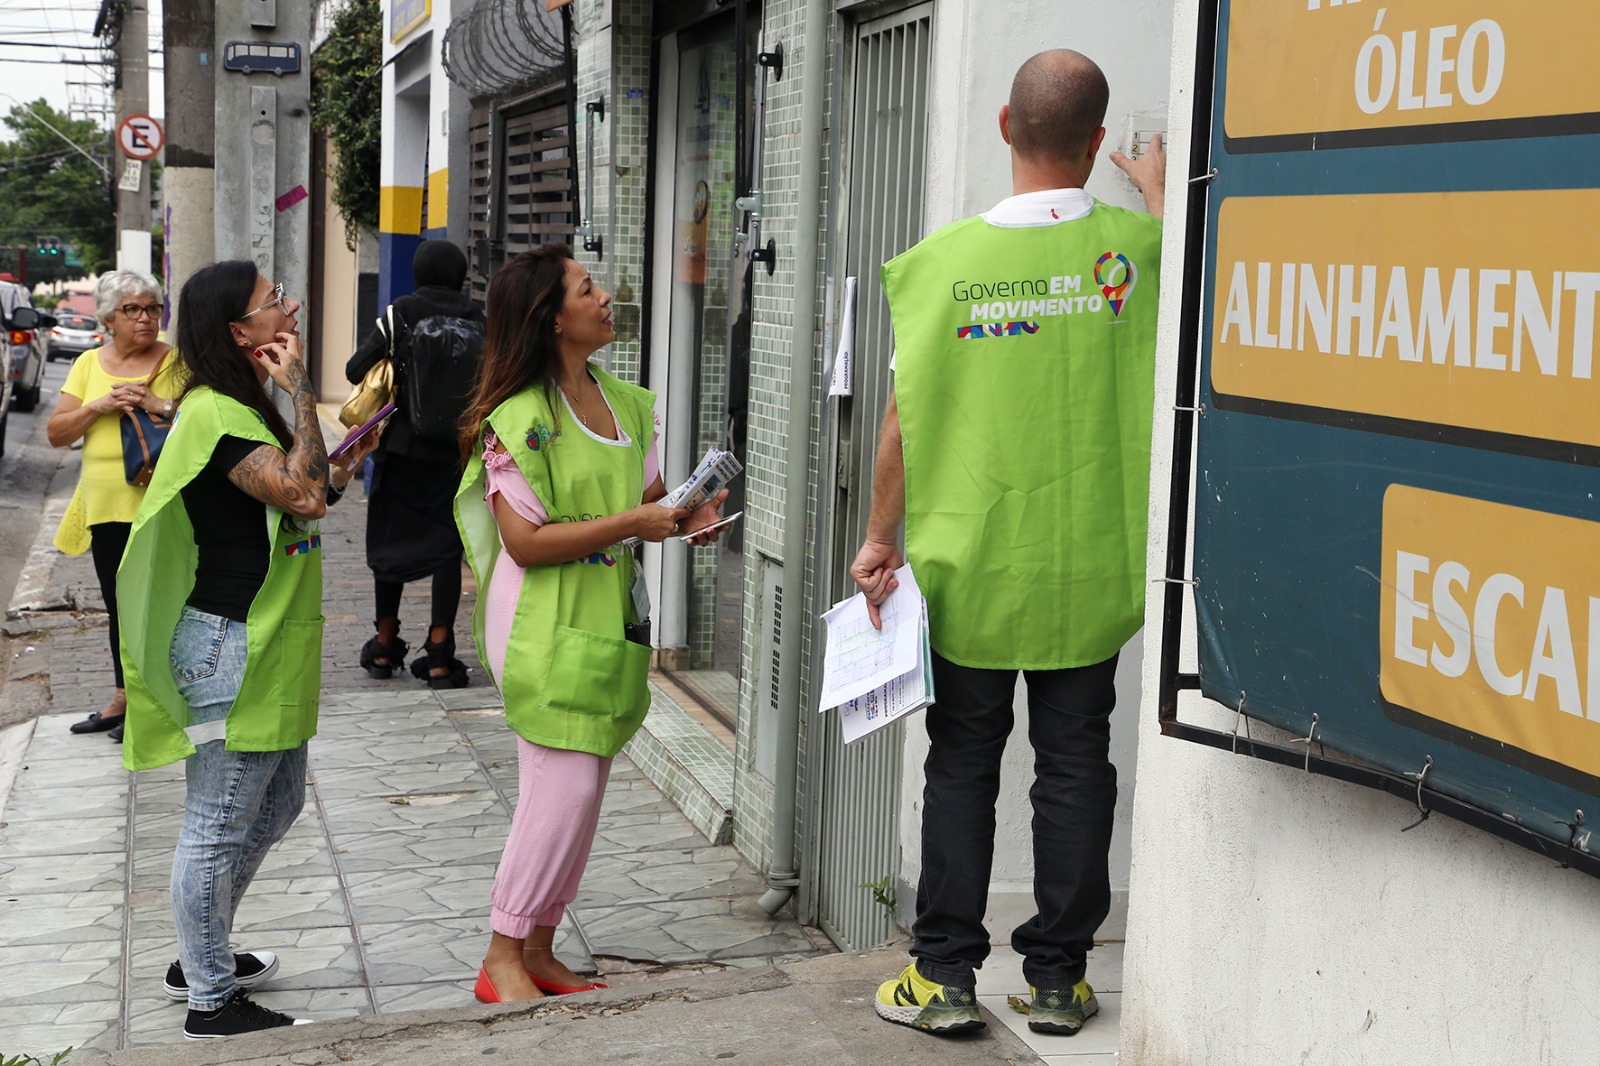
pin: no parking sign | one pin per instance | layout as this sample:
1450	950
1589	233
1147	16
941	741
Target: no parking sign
139	136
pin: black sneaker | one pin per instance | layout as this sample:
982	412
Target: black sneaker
249	969
241	1014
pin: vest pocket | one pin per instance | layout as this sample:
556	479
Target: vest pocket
299	658
299	654
595	674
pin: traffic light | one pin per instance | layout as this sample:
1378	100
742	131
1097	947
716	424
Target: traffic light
43	243
49	245
54	246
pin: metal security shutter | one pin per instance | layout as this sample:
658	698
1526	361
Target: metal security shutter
480	150
859	810
537	190
520	186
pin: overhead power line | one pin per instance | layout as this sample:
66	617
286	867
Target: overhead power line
62	62
62	47
35	31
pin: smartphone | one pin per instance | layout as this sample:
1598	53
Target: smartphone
362	430
713	527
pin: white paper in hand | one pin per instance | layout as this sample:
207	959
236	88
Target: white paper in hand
865	715
860	658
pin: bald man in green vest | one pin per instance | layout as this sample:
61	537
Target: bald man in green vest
1016	450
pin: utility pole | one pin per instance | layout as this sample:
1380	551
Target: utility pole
263	145
263	149
188	183
133	98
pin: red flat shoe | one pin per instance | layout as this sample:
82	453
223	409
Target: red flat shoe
484	989
550	988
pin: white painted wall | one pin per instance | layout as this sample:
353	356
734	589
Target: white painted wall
977	50
1278	918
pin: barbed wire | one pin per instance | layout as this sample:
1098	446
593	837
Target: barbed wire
501	46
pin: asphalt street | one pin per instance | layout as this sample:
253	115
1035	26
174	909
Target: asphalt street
26	471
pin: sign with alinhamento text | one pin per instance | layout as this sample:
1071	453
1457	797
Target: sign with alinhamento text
1398	480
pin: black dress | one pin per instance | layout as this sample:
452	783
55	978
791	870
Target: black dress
411	527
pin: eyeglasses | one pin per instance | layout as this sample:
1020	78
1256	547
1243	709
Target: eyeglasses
276	301
145	310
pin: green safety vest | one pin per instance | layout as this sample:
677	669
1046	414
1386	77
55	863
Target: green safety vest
276	708
571	680
1024	377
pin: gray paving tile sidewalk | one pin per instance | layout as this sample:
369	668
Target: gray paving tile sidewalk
377	900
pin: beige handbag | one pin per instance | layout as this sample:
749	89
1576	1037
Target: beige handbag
376	388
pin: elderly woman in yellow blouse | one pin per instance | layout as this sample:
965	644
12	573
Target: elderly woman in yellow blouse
134	369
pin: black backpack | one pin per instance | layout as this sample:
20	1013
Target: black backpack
437	382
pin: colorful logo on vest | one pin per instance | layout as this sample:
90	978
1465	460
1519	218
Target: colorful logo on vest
539	436
1122	272
600	558
303	547
996	329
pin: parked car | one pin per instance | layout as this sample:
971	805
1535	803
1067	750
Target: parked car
73	335
5	416
25	344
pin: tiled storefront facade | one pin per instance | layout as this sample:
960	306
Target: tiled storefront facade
615	53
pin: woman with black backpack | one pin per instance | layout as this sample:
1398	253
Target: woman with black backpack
434	338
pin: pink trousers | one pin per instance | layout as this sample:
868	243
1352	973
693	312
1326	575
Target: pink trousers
558	808
559	791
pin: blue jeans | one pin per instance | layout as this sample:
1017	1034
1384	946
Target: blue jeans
238	804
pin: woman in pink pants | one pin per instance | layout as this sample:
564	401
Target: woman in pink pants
564	455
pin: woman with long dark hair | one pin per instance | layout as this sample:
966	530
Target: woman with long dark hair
221	601
564	453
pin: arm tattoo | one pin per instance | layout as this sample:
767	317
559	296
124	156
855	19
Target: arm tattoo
264	475
297	481
309	456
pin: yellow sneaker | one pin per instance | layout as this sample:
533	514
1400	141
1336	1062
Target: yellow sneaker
913	1000
1061	1010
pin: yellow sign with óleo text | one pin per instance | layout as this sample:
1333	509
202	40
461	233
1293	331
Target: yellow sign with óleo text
1316	66
1491	622
1470	310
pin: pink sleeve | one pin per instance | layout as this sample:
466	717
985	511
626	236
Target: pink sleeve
506	480
652	461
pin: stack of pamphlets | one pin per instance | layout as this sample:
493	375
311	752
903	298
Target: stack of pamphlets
876	676
715	470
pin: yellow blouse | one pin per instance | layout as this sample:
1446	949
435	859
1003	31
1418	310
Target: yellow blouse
103	493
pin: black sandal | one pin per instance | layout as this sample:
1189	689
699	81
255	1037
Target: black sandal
437	656
374	649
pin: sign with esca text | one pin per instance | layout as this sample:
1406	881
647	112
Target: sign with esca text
1398	496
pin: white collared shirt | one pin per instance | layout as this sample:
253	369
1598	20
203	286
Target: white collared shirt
1045	208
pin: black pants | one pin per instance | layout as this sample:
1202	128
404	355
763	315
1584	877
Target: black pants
446	596
107	542
1074	795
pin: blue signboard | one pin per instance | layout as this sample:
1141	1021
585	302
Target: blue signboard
1397	539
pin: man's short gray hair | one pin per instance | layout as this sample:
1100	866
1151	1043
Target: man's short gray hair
1058	101
115	286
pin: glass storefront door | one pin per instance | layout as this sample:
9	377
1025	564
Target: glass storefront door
706	354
